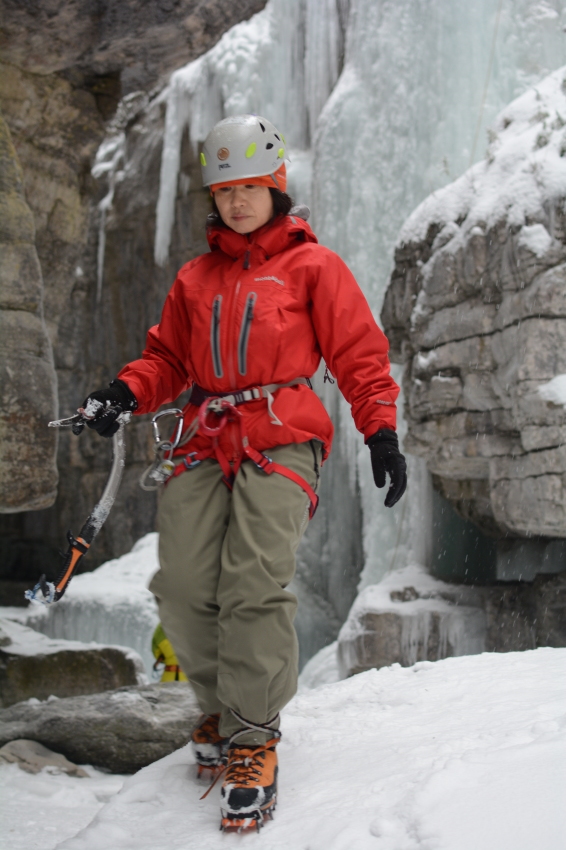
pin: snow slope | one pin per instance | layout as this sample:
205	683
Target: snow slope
459	754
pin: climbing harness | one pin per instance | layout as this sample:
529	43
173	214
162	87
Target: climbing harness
225	408
79	546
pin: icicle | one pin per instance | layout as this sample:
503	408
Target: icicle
108	161
283	62
178	98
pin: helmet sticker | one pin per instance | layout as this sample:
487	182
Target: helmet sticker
223	153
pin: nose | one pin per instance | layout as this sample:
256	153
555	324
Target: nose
238	198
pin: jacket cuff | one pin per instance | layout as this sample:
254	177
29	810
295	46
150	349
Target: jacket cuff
129	400
384	435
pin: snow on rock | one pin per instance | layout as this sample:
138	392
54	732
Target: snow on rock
34	757
109	605
33	665
554	391
454	755
410	616
524	168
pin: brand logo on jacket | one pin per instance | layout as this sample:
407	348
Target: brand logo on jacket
270	277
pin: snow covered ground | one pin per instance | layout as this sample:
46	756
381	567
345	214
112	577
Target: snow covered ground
39	811
460	754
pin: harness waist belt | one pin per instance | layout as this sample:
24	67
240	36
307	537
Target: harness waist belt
237	397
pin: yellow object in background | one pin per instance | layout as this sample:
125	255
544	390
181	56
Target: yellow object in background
164	654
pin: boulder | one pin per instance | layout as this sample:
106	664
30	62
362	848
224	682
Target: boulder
35	666
33	757
120	731
476	310
410	617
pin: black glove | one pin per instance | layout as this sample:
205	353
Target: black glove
386	457
116	399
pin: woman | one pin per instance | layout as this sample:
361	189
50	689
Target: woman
248	323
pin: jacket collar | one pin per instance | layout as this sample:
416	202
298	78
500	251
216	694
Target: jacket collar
274	237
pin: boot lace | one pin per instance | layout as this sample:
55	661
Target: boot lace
207	731
243	764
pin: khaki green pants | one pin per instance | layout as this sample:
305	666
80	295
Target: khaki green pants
225	561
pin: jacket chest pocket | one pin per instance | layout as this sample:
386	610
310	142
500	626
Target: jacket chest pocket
216	353
259	339
245	330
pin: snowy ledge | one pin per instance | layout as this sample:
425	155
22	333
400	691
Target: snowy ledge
524	169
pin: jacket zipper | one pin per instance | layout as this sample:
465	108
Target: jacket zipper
245	332
215	336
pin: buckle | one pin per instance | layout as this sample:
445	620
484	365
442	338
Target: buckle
264	462
190	464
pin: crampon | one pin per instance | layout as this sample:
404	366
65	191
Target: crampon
249	790
252	821
209	748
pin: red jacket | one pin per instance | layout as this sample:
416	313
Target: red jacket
263	309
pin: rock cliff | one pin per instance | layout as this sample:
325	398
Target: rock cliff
28	387
65	68
476	311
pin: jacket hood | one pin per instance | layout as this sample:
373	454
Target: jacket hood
274	237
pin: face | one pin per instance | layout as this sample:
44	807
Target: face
244	208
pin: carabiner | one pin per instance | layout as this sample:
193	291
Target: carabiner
171	444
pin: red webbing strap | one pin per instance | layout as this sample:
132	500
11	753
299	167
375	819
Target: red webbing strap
190	460
229	472
269	466
194	458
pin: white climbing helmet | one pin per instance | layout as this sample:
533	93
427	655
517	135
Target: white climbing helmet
242	146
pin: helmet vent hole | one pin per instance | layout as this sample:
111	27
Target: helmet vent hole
262	127
277	137
268	146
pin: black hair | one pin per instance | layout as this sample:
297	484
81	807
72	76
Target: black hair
282	205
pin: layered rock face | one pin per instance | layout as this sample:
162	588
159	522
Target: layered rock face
28	386
476	310
65	66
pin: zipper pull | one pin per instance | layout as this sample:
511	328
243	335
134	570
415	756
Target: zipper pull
247	259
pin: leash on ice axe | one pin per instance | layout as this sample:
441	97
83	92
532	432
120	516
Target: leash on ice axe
79	546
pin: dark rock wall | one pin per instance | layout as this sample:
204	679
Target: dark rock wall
65	67
28	385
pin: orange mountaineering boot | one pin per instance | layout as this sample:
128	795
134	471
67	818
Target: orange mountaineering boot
209	746
249	790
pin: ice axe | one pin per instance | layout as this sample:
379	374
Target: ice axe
79	546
